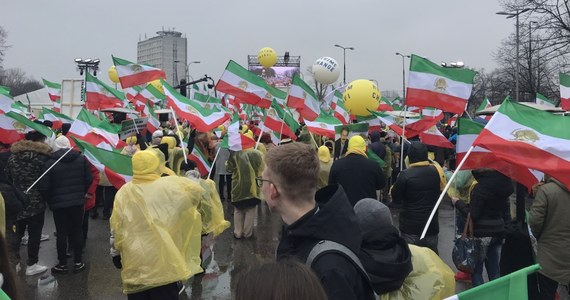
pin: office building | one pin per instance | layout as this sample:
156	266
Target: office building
167	51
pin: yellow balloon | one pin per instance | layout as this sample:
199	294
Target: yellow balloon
360	96
113	75
157	85
267	57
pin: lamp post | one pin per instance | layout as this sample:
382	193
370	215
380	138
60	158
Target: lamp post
186	71
530	58
344	59
84	66
403	74
515	15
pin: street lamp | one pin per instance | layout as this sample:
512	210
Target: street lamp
530	58
455	64
515	15
186	72
403	74
84	65
344	59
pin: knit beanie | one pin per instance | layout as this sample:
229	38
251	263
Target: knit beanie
62	142
372	215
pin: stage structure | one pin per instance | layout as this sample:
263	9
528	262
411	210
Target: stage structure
279	75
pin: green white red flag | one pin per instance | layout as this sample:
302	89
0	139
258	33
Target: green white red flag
153	123
484	105
100	96
453	120
6	99
542	100
54	89
55	117
200	118
274	119
205	100
201	161
483	158
340	111
565	91
531	138
430	85
11	131
394	122
303	98
131	74
94	131
384	105
434	137
323	125
233	139
46	131
247	87
117	167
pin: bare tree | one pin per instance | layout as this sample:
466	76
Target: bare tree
18	82
3	45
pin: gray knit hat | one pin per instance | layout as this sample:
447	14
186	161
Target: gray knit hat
372	214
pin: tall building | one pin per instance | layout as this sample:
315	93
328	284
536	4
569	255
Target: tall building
166	51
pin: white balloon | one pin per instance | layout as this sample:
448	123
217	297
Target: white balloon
326	70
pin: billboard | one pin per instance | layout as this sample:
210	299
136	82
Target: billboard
276	76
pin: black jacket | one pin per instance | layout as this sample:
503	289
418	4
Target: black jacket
489	205
386	258
66	184
416	191
337	151
359	176
333	219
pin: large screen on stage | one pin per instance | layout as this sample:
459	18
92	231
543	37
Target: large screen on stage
276	76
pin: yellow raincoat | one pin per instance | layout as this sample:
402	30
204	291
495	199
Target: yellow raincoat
156	226
211	209
245	166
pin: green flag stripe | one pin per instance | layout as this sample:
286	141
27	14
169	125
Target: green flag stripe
419	64
565	79
542	121
116	93
467	126
119	163
251	77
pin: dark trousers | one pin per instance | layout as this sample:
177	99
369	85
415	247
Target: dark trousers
164	292
69	223
105	195
225	181
85	225
34	225
547	287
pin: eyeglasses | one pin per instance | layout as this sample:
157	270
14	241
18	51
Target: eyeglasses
259	180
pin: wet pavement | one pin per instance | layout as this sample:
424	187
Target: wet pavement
101	280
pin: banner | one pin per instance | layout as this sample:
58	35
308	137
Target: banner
128	127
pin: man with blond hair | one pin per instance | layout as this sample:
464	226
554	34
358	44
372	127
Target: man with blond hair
288	184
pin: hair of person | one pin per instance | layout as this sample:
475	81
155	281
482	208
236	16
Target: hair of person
344	128
10	287
286	279
296	168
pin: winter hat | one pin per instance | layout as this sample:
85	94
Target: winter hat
357	145
145	162
157	134
417	152
372	215
62	142
324	154
170	141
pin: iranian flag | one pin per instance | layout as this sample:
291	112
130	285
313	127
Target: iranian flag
54	89
57	105
55	117
131	74
531	138
434	137
11	130
6	99
542	100
100	96
117	167
430	85
247	87
234	140
96	132
395	123
341	113
323	125
273	119
483	158
201	161
384	104
451	121
565	91
484	105
205	100
303	98
153	123
200	118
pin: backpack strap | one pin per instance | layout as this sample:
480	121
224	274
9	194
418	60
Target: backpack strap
325	246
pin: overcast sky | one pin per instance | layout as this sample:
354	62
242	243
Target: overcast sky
47	35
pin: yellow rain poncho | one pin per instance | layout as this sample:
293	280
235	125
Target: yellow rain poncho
326	164
175	154
430	279
245	166
211	209
157	226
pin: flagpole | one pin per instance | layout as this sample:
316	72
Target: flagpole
403	137
136	127
260	134
314	141
55	163
215	158
467	115
179	136
281	131
445	191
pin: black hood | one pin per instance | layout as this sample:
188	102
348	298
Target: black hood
334	220
494	182
374	136
387	259
417	152
69	157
